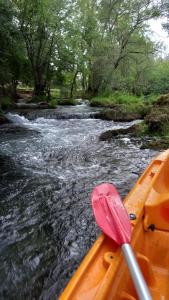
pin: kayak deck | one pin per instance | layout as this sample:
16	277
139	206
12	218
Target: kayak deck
103	274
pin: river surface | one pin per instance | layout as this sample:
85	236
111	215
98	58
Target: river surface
50	161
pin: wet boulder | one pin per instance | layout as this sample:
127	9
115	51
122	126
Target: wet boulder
109	134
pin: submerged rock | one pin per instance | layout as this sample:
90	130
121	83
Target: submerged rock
23	105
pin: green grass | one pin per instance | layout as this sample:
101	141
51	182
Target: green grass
69	101
142	129
151	98
56	98
102	101
116	98
128	102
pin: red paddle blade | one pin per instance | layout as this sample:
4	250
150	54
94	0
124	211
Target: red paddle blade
110	213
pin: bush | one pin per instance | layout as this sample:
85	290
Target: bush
69	101
55	93
163	100
102	101
142	129
53	103
5	102
37	99
158	120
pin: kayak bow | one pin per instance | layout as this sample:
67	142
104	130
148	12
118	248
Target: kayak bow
103	274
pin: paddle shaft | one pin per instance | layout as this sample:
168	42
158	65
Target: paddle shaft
138	280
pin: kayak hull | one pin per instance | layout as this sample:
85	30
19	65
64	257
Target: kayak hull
103	274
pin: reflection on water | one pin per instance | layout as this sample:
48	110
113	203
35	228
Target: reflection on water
48	167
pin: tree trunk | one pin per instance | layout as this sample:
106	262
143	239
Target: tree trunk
73	84
39	89
93	82
14	89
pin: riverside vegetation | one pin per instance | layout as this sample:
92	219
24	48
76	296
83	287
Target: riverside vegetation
53	52
155	124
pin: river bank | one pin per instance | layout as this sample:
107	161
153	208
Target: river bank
153	130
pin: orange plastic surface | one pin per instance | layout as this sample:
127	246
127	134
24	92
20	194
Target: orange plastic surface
103	274
157	203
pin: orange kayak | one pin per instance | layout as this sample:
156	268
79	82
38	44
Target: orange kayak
103	274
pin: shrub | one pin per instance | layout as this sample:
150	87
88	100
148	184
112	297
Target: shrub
5	102
69	101
53	103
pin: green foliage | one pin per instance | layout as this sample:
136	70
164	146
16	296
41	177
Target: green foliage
13	58
130	103
124	98
5	102
142	129
82	45
55	93
102	101
69	101
151	98
52	103
38	99
157	77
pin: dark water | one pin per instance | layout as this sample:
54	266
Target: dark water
48	167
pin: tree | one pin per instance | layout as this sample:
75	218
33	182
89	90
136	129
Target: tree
12	54
120	26
41	24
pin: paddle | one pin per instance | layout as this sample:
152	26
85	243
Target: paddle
112	217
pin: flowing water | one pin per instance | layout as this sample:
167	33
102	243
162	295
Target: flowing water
49	162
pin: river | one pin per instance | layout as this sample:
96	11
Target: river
50	161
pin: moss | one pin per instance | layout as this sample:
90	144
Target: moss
68	101
158	117
156	144
118	114
155	121
141	129
162	100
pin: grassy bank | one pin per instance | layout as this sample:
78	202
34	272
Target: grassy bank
154	129
127	102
